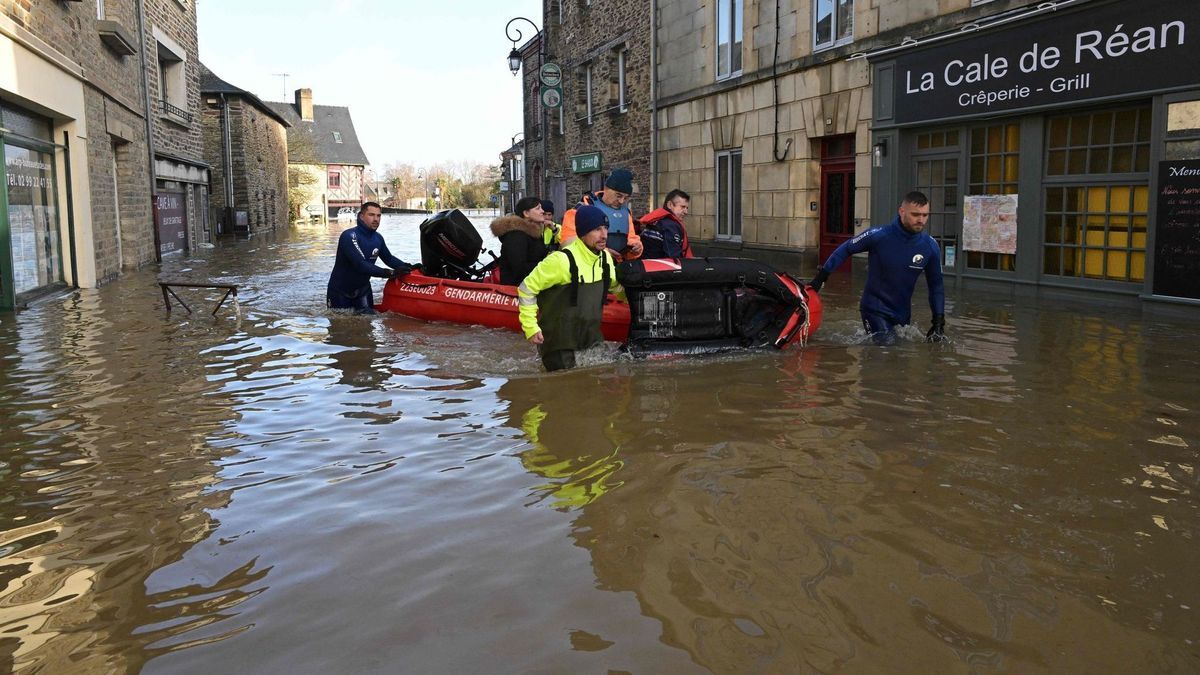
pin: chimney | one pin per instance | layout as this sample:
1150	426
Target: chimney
304	104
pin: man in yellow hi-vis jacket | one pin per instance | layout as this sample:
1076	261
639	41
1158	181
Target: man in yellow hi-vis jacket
569	286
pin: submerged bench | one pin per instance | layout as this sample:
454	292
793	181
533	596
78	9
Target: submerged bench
168	293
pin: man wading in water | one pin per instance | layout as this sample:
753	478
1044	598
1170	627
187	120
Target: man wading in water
570	287
898	254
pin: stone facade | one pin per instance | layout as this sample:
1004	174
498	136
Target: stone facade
114	230
600	34
256	164
822	96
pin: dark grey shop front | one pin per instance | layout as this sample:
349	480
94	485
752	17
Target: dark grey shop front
1056	146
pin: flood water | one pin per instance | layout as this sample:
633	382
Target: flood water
293	490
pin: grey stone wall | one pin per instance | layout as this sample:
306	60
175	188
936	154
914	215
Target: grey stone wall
115	122
259	162
174	136
592	33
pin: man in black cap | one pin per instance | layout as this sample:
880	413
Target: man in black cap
569	287
613	201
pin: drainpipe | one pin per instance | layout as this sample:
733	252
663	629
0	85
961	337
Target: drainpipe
775	87
70	208
653	103
227	158
141	20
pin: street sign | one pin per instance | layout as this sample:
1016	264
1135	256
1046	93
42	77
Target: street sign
552	97
550	74
585	163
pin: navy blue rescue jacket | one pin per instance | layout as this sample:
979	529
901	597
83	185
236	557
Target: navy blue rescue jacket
358	249
895	258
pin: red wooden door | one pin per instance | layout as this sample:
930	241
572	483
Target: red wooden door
837	193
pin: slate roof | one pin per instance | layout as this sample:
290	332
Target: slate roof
326	120
211	84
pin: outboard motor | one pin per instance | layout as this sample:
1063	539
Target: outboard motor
450	247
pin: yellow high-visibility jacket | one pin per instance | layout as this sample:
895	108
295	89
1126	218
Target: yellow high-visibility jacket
555	270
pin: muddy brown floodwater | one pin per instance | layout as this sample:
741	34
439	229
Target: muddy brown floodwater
297	491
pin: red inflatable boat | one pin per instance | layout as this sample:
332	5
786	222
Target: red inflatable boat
480	304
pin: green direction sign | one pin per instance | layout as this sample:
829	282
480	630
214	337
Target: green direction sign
550	74
552	97
585	163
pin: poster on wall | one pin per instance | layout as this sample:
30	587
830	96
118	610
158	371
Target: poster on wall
990	223
1177	230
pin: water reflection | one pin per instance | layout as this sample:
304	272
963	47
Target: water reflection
181	491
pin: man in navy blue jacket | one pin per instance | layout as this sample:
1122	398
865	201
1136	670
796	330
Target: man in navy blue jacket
358	248
896	255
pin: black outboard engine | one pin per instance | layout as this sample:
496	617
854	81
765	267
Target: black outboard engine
450	247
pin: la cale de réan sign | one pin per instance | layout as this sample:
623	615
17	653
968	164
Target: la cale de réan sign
1112	49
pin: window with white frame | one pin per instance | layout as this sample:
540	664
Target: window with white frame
729	194
833	23
729	38
622	96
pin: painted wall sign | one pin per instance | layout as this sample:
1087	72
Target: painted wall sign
1112	49
1177	230
172	221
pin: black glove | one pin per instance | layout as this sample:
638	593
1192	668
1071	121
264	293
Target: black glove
401	271
819	280
937	330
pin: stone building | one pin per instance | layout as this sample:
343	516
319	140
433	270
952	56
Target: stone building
77	140
604	122
245	143
795	125
322	142
173	89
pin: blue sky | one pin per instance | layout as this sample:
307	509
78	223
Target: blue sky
426	81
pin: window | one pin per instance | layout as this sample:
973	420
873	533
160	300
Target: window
994	170
729	38
833	23
172	83
729	194
622	100
335	178
337	137
1097	194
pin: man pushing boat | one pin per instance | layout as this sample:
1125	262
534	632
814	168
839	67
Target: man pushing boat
354	264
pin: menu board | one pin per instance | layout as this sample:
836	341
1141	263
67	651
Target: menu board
1177	230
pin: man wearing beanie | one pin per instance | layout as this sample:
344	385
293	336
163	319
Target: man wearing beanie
613	201
552	235
569	288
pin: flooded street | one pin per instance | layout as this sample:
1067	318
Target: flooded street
295	490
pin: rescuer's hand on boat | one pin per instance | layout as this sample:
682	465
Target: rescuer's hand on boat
937	331
819	280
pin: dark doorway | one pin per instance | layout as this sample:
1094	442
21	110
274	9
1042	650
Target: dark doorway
837	192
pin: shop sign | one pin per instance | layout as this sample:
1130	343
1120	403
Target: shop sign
550	74
172	222
586	163
1114	49
1177	230
552	97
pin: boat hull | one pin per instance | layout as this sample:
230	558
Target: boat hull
478	304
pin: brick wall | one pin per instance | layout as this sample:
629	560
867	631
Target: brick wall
593	34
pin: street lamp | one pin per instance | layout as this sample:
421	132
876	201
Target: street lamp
514	64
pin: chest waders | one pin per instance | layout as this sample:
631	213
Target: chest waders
571	316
